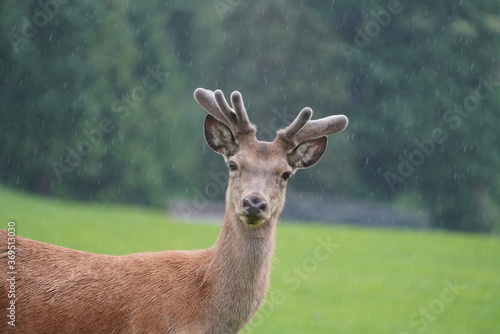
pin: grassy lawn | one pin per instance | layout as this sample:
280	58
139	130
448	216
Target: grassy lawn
326	279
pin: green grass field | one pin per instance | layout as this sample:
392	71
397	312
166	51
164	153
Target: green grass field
326	279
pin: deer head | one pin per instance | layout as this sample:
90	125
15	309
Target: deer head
258	170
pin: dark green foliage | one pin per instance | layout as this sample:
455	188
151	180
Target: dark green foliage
96	98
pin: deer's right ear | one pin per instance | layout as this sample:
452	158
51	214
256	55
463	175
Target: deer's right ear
219	137
307	153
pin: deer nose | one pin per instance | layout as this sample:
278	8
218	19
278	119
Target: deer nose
254	205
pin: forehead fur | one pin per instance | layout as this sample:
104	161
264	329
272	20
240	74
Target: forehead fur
264	153
263	149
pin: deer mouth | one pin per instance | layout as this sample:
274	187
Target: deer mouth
252	220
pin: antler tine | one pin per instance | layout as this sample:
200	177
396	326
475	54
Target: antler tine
239	108
302	128
224	107
206	100
298	123
322	127
215	104
237	115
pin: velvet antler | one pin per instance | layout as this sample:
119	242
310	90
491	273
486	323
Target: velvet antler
215	104
302	128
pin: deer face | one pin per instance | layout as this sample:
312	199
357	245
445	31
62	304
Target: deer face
257	183
259	171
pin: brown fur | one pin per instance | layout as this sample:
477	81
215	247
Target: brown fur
60	290
216	290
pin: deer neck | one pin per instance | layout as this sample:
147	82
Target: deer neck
245	248
241	264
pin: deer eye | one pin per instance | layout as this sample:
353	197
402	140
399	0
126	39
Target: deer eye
286	175
232	166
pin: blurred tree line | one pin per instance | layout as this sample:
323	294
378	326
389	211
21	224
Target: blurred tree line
97	96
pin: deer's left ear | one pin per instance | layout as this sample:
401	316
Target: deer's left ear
219	137
307	153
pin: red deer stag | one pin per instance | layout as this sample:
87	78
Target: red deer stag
215	290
